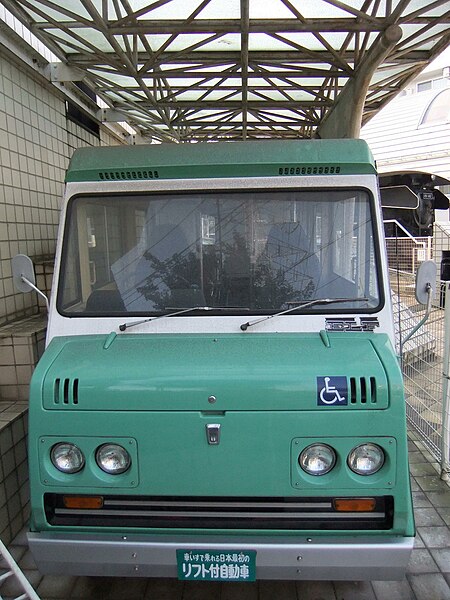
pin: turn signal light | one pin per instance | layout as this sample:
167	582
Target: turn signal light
83	501
355	504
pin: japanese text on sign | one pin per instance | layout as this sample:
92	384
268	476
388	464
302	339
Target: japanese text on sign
221	566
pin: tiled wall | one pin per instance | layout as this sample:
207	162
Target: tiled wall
33	157
36	142
21	346
14	488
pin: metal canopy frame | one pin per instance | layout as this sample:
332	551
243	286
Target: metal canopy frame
191	70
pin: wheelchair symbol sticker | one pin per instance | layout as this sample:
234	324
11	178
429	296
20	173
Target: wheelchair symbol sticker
332	391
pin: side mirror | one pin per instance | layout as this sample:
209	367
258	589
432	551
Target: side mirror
425	292
426	281
24	278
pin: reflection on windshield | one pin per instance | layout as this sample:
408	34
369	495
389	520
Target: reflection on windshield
261	251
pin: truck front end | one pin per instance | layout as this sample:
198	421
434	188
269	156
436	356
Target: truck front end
220	398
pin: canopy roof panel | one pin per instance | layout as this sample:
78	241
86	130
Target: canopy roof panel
186	70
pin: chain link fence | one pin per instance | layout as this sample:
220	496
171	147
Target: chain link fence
424	356
422	360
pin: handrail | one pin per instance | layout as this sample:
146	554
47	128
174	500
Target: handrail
14	571
400	226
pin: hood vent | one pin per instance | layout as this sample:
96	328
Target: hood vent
363	390
65	391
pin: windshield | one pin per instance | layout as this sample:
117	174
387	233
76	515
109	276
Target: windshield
263	251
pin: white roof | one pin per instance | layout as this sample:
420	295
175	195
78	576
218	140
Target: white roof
401	142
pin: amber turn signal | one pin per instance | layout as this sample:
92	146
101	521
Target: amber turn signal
83	501
354	504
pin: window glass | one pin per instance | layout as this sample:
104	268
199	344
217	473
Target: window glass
261	251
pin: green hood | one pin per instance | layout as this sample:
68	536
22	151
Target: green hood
256	372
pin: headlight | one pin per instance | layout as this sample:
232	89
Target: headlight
67	457
366	459
113	459
317	459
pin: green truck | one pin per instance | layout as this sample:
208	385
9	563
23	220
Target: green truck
220	398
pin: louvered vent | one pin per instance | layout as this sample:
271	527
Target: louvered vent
363	390
128	174
65	391
310	170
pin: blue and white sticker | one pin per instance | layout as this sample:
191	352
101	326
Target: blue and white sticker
332	391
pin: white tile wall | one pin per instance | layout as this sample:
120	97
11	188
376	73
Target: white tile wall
14	487
21	346
36	142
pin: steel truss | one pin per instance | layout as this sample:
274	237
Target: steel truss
223	70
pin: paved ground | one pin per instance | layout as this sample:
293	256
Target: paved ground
428	576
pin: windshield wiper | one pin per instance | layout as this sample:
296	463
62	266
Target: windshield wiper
181	311
244	326
298	306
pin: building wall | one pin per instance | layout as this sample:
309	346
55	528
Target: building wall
400	142
36	142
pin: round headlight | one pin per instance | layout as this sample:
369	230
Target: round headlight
113	459
317	459
366	459
67	457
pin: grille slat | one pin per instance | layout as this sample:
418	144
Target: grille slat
221	514
216	505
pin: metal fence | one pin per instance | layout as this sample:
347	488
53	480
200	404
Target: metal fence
426	355
406	253
422	359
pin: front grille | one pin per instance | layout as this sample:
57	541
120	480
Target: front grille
176	512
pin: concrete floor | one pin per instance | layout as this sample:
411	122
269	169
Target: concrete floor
427	578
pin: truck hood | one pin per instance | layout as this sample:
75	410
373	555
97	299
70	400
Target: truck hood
202	372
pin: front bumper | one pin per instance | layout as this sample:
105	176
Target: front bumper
320	558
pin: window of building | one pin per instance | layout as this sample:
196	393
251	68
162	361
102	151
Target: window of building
423	86
433	84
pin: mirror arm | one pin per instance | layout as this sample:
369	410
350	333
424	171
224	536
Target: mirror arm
37	290
429	291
